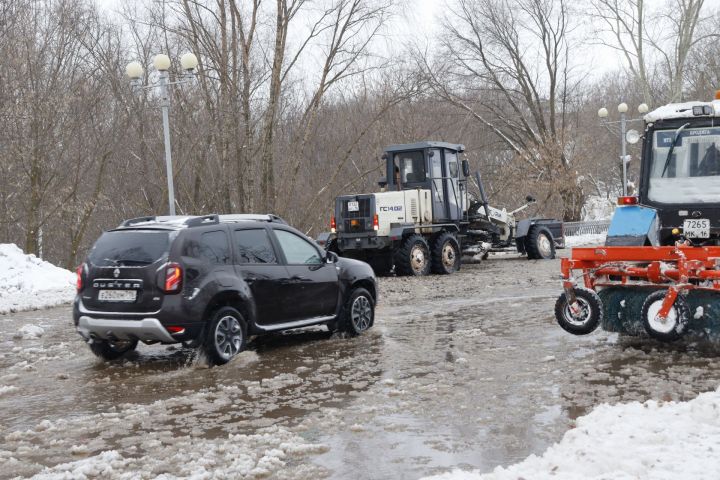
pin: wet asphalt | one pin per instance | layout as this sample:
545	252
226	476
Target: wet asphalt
464	371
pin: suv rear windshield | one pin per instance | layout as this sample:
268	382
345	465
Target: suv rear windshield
129	248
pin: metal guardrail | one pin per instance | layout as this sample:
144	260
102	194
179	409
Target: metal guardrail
584	228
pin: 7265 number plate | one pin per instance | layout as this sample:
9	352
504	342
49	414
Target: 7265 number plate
697	228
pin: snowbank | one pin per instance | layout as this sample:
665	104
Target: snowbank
28	283
627	441
585	239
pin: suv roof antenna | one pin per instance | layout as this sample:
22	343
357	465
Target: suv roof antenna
204	220
133	221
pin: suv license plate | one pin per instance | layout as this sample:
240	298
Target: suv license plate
117	295
697	228
353	206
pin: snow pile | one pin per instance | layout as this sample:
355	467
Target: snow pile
28	283
585	239
258	455
627	441
29	331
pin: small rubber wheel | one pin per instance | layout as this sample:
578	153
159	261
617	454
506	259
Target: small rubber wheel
445	254
359	312
226	335
413	257
112	350
539	243
670	328
588	316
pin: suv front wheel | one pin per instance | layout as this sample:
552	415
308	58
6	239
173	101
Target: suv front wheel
226	336
359	312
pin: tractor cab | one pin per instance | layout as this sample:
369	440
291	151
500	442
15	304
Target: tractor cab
433	166
679	194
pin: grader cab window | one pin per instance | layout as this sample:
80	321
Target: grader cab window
409	167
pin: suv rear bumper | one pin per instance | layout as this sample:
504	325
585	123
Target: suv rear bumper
147	329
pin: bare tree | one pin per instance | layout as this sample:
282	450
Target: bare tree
505	63
667	45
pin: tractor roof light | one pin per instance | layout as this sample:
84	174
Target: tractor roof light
717	94
628	200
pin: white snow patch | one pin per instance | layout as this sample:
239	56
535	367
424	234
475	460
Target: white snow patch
29	283
585	239
662	441
699	312
5	389
29	331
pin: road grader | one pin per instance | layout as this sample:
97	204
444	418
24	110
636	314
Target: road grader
659	271
424	219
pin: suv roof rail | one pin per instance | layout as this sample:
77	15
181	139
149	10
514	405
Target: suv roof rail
203	220
251	217
200	220
133	221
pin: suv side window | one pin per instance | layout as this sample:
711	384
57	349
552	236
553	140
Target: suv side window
297	250
253	246
212	248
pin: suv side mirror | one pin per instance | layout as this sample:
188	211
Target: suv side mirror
466	168
382	183
331	257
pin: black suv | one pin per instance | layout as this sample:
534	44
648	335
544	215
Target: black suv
213	281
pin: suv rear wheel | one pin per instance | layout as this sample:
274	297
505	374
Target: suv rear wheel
359	312
111	350
226	335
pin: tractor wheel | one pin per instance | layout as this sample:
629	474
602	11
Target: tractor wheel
588	316
539	243
381	265
669	329
445	254
413	257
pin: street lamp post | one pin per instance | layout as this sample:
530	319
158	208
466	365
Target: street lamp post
626	136
161	63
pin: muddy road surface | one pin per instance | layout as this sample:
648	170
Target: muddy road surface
465	371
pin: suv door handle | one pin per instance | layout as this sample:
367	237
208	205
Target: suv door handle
293	280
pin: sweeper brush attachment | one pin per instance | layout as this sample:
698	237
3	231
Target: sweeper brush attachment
662	291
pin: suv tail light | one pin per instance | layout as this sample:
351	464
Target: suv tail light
79	281
172	278
376	224
333	224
